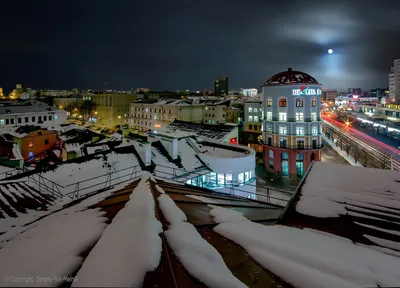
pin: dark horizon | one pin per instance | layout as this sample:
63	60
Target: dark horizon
161	46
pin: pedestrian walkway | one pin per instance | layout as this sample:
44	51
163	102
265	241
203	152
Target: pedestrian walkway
342	153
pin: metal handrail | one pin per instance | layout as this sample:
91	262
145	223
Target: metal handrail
298	189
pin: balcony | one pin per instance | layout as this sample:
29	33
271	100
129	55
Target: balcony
294	147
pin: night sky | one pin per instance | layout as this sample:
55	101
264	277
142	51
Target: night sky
179	45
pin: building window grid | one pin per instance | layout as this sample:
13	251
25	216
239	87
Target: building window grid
299	102
282	116
300	130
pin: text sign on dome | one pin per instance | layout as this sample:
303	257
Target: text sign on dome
307	91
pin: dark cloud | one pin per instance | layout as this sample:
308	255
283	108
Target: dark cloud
179	44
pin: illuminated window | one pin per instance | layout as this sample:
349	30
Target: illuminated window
314	130
2	122
155	117
314	102
299	116
282	116
300	130
255	118
313	116
250	109
282	130
30	154
300	144
228	178
299	102
271	154
269	102
255	110
221	179
147	109
269	128
30	144
250	118
282	102
241	178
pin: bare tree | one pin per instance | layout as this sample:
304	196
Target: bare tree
356	153
347	147
385	163
365	157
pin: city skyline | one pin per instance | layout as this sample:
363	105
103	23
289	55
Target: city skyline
124	45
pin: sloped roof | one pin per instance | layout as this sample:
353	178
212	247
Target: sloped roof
361	204
155	233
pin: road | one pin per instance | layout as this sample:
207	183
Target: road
377	149
375	143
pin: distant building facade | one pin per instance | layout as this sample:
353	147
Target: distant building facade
221	86
394	81
293	128
253	123
112	109
251	92
328	96
146	116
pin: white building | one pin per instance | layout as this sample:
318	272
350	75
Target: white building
250	92
394	81
30	113
293	129
203	162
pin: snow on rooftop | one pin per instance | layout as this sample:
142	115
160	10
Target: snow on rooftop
50	249
334	184
367	199
129	247
16	151
198	256
305	258
120	165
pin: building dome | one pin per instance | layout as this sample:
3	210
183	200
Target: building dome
290	77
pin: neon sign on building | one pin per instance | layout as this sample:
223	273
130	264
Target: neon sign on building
307	91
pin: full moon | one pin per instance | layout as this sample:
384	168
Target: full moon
330	51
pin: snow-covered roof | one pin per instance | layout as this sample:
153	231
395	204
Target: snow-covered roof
362	204
184	128
139	252
26	107
155	233
73	147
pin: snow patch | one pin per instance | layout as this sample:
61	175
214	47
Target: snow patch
222	215
129	248
307	259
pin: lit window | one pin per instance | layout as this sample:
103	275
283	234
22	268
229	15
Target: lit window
255	118
313	116
282	116
241	178
269	116
155	117
299	116
55	117
314	102
30	154
282	102
2	122
269	102
147	109
300	130
314	130
299	102
30	144
282	130
271	154
255	110
250	118
221	179
250	109
269	128
228	178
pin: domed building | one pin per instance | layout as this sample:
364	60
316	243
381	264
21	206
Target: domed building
292	134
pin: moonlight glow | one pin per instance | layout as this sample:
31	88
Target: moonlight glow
330	51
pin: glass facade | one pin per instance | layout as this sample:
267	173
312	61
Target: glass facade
214	181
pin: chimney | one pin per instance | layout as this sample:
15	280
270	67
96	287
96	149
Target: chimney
171	145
